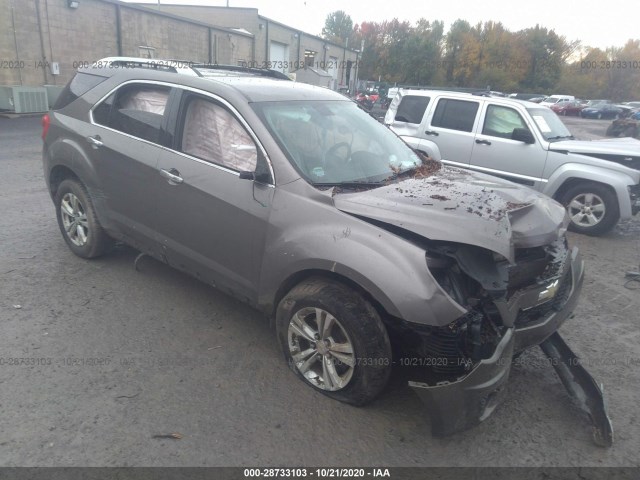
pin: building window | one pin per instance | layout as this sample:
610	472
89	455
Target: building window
146	52
309	58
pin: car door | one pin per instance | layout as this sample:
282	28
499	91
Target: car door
213	216
125	133
496	152
451	126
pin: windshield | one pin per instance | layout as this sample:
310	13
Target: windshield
336	143
549	124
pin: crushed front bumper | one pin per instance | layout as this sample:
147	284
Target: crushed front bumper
465	401
461	404
634	197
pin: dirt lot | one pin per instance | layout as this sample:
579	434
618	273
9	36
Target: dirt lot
116	356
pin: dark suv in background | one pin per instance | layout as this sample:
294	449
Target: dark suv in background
292	199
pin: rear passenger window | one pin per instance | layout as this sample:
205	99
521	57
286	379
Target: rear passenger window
78	86
501	121
411	109
213	134
455	114
136	110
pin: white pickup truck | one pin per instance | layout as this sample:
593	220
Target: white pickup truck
597	181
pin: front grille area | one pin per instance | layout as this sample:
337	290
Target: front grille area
454	350
537	266
537	314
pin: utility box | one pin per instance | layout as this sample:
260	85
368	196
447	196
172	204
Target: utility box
23	99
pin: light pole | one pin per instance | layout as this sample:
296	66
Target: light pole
358	53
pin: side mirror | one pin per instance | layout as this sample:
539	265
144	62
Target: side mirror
522	135
257	176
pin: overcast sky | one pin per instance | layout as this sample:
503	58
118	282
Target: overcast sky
595	23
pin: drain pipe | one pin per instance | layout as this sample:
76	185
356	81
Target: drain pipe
42	50
15	39
46	7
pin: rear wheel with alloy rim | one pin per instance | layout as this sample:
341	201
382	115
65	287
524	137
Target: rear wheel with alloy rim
334	340
593	209
78	221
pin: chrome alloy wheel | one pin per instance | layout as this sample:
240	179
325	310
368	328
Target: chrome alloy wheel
587	209
74	219
320	349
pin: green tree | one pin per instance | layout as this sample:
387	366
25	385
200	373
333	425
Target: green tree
422	53
456	38
338	27
547	53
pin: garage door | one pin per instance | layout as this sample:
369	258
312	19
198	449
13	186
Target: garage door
333	71
279	56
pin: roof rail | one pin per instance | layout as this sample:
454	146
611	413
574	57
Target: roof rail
215	67
185	67
177	66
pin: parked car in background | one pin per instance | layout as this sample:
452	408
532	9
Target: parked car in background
527	96
574	107
634	104
593	103
292	199
597	181
379	108
601	110
557	100
628	125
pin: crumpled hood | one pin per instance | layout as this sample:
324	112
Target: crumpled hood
608	146
465	207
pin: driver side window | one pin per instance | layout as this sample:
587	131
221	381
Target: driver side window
502	121
213	134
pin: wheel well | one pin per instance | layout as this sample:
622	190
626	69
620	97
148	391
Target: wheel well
572	182
58	174
298	277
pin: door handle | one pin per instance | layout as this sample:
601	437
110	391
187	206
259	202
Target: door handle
172	175
96	141
483	142
431	132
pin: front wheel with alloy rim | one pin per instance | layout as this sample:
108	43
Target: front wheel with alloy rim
593	209
334	340
78	222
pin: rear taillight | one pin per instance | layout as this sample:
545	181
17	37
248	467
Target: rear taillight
46	121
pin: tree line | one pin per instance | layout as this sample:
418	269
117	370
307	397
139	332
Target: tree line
533	60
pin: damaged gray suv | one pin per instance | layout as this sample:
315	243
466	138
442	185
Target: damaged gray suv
369	257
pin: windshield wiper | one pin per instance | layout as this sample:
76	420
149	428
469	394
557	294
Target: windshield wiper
559	137
349	184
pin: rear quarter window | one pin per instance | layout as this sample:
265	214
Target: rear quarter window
411	109
78	86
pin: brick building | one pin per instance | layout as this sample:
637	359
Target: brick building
42	42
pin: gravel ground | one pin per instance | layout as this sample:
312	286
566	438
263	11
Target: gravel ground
118	356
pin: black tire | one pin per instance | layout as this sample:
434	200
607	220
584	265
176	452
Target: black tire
96	241
611	131
604	196
365	333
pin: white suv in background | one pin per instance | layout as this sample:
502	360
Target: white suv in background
597	181
557	99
